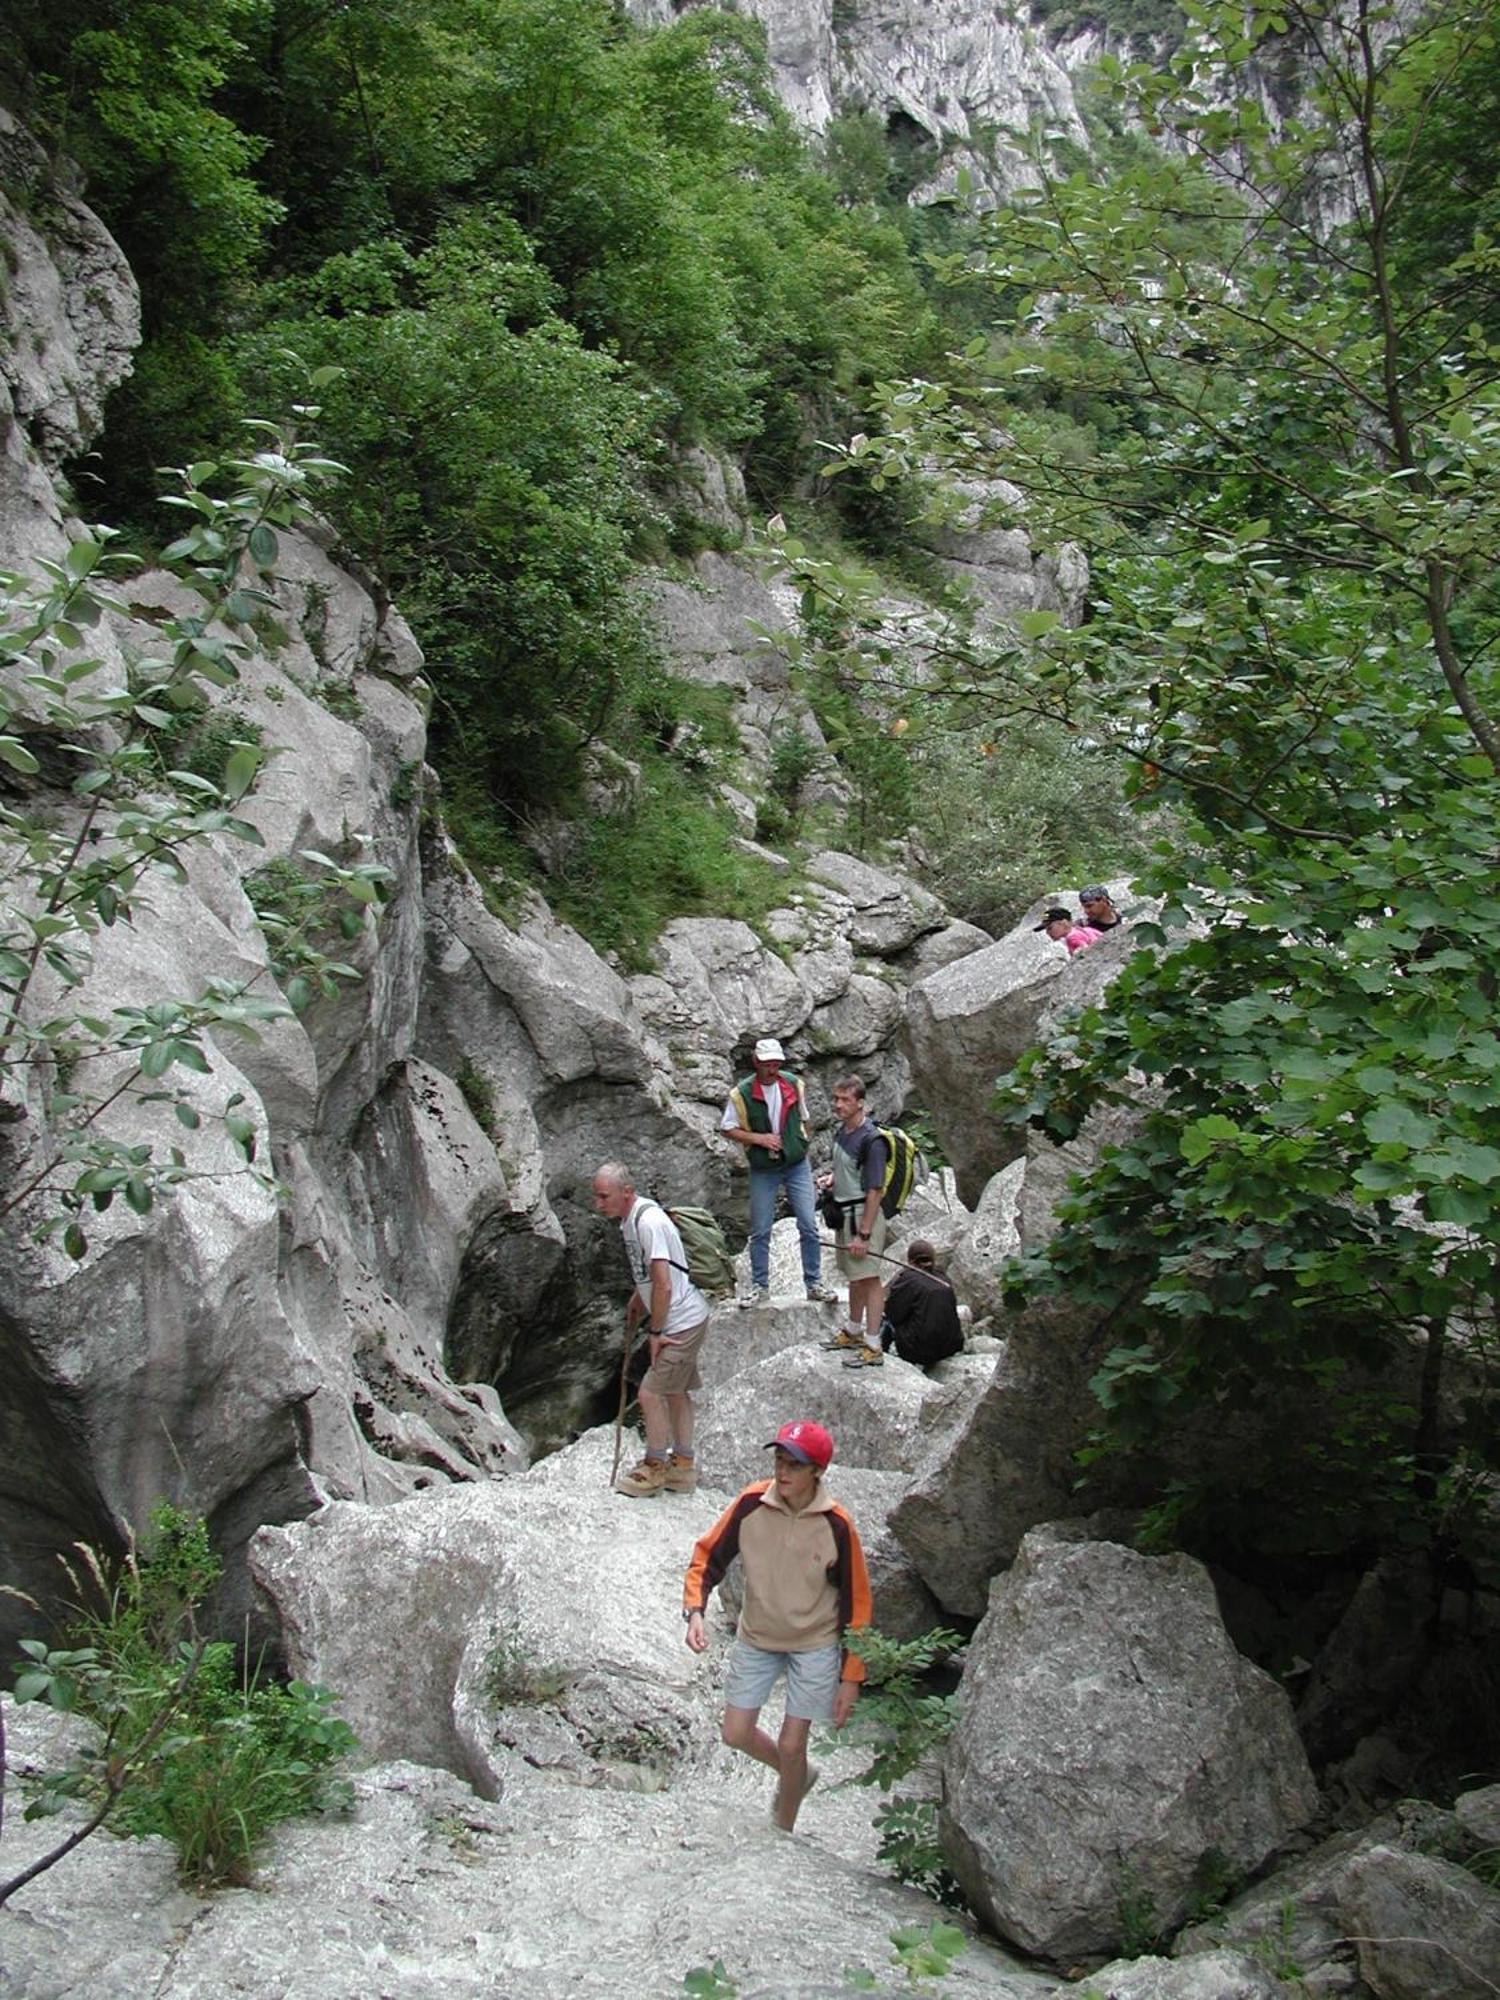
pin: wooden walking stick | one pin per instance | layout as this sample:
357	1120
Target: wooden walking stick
624	1398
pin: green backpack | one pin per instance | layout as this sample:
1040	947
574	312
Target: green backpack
709	1265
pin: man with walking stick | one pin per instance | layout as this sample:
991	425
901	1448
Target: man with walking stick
676	1315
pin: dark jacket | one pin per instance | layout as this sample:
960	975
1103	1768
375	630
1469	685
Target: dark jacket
921	1317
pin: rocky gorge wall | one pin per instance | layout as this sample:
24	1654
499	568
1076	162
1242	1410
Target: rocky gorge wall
255	1351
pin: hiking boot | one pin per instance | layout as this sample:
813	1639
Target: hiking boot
682	1475
757	1295
822	1295
867	1357
843	1338
644	1481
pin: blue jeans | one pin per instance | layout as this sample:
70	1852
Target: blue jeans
797	1180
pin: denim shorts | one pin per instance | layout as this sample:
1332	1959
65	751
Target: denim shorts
812	1679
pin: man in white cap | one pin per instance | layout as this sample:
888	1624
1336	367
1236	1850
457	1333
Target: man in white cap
767	1114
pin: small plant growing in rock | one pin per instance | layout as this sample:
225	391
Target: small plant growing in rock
513	1678
192	1744
1140	1920
710	1982
925	1952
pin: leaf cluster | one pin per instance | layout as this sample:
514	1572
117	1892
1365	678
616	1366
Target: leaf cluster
191	1744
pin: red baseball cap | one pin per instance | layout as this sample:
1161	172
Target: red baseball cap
809	1443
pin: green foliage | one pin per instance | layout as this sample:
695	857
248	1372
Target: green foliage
902	1724
479	1094
910	1848
925	1952
710	1982
300	912
1288	489
897	1719
1007	817
128	91
192	1745
671	852
1139	1920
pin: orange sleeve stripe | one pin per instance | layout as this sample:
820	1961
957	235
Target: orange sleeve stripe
856	1609
715	1551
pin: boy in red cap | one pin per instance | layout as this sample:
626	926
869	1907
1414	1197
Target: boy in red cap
806	1589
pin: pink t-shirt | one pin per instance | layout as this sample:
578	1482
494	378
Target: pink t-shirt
1081	935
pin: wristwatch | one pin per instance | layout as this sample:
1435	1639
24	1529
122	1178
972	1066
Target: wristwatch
690	1612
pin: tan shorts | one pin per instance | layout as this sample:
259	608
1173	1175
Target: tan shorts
675	1369
861	1267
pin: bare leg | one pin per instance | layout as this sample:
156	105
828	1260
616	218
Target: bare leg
658	1423
680	1420
792	1763
741	1730
866	1300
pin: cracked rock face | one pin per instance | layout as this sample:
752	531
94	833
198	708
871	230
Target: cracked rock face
1108	1723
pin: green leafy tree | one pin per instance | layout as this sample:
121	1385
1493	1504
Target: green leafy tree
1294	542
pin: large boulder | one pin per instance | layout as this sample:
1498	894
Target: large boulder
887	913
1006	1463
971	1021
880	1418
1422	1926
1109	1739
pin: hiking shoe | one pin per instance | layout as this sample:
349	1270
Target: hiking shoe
644	1481
682	1475
867	1357
822	1295
757	1295
843	1338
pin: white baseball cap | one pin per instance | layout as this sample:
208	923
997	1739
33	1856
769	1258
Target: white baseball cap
768	1049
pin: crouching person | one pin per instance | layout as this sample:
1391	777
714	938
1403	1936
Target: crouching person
805	1589
921	1310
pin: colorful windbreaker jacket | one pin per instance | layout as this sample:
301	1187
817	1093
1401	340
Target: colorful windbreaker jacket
806	1584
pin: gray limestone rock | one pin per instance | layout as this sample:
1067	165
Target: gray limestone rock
1109	1738
1421	1927
888	912
1207	1975
557	1890
1008	1461
71	309
971	1021
880	1418
992	1236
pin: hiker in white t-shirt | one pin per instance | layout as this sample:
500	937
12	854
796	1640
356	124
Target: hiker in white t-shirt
676	1319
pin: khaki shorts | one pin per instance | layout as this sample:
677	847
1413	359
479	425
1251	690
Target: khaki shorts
675	1369
861	1267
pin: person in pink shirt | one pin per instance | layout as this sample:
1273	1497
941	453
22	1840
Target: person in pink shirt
1067	929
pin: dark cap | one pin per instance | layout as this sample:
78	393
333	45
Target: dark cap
1094	893
1057	914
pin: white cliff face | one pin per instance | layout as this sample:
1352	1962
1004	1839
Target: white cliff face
972	77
